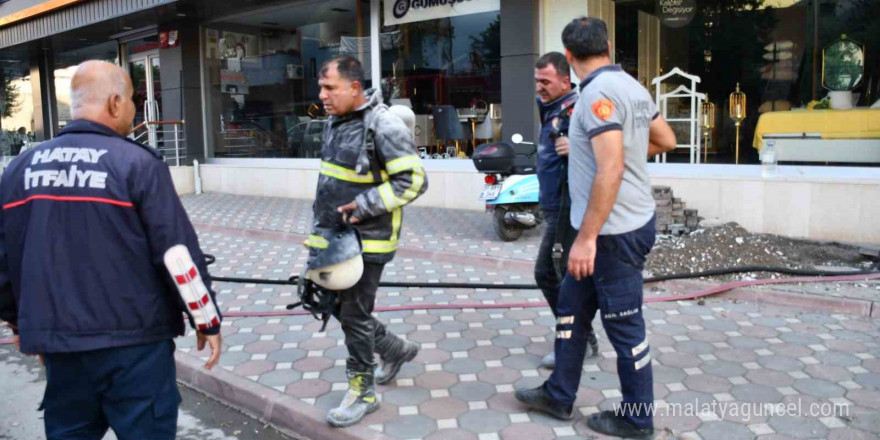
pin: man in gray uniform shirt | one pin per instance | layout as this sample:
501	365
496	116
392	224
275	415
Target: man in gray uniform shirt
614	129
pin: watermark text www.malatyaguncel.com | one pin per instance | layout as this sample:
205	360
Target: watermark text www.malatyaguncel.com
739	410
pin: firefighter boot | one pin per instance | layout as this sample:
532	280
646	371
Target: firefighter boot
393	358
359	401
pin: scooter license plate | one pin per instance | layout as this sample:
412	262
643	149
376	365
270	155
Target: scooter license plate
490	192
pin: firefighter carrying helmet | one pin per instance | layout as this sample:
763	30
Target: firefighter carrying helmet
341	265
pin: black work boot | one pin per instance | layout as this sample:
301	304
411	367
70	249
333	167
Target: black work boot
593	349
392	362
538	399
608	423
359	401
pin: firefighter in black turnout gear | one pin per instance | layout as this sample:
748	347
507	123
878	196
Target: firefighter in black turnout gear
556	101
370	169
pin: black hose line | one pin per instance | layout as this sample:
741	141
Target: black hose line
291	282
294	280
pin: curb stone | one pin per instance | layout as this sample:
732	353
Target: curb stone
304	421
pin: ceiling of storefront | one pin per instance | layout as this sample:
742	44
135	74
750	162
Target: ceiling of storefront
295	15
13	62
109	30
651	5
219	11
267	13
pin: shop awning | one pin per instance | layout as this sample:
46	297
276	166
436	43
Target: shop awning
71	17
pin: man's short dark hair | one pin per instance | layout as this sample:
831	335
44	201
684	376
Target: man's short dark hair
586	37
348	67
555	59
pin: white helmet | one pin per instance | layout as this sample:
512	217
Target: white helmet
339	266
405	114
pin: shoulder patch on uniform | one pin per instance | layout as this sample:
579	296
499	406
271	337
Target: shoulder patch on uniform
603	108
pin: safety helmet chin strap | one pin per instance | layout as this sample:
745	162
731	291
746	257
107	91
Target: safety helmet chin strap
314	299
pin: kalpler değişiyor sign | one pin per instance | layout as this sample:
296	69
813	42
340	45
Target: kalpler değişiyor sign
676	13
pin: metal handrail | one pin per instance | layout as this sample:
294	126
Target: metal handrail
260	133
145	123
150	124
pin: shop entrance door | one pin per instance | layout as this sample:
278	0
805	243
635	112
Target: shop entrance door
146	79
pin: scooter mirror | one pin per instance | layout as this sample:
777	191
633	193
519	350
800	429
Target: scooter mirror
516	138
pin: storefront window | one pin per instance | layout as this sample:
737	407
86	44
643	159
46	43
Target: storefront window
16	104
451	64
772	49
65	66
261	75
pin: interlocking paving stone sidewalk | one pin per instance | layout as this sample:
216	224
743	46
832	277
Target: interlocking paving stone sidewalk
461	384
468	232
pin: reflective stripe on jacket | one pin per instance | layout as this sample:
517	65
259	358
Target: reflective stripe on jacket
401	178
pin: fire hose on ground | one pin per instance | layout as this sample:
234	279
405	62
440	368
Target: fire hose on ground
798	276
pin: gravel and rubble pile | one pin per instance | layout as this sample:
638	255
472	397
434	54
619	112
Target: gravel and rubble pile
731	245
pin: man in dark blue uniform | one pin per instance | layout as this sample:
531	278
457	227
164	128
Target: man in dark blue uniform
614	129
556	101
98	262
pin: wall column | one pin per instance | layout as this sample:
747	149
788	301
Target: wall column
43	89
182	88
519	52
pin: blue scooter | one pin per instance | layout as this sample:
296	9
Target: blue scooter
511	192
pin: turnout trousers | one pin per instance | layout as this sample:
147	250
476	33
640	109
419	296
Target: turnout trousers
364	334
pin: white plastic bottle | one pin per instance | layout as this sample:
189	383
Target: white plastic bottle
768	160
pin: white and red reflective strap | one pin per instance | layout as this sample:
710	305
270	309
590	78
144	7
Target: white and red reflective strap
192	289
190	275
